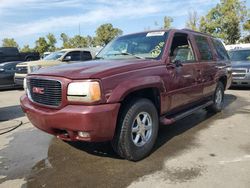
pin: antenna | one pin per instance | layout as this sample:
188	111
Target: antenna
79	29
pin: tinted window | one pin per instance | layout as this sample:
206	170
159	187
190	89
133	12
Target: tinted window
204	48
240	55
220	49
8	51
75	56
86	55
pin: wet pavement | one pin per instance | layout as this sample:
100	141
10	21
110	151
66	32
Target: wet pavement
202	150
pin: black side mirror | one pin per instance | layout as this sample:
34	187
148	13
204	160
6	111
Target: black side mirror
178	63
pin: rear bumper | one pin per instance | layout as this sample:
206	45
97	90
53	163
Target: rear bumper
98	121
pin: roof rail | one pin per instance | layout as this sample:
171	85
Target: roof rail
190	30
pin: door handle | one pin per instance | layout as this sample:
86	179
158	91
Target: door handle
187	76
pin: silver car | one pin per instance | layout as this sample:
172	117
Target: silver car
240	66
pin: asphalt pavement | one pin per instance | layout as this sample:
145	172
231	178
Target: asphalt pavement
202	150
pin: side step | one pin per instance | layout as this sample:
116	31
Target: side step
169	120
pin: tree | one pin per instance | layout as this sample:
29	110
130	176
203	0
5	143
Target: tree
65	40
246	27
105	33
224	20
78	42
41	45
9	42
167	22
51	42
193	21
26	48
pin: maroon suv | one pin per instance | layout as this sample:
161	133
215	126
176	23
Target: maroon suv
136	81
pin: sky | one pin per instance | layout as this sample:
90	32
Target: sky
27	20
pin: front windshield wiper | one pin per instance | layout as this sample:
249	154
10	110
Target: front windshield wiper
126	53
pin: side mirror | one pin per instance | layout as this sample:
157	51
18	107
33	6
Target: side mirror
67	58
178	63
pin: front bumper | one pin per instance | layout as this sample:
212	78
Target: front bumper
19	81
98	121
18	78
241	82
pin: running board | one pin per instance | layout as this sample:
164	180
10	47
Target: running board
169	120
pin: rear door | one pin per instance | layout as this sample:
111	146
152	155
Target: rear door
183	76
208	65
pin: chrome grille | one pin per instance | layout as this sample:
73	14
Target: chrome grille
45	92
21	70
239	73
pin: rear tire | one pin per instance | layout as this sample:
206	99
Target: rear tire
137	130
218	99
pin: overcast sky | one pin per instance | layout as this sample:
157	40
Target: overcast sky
26	20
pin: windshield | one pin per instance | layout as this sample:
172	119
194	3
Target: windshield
55	55
240	55
148	45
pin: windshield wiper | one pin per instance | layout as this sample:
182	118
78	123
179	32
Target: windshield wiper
126	53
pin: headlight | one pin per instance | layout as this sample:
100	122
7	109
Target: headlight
35	68
84	92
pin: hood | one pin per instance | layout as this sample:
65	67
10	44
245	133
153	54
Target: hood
95	68
241	64
39	62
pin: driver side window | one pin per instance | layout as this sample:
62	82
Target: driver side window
181	49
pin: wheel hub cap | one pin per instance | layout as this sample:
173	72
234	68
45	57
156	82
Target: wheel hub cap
141	129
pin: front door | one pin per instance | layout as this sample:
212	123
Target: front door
183	75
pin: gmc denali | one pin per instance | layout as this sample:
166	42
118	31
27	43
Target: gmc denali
135	83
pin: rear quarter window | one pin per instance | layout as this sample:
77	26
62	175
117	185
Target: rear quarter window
204	48
220	49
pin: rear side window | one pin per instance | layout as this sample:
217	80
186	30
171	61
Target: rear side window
86	55
204	49
220	49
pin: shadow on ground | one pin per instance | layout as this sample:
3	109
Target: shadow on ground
10	112
96	165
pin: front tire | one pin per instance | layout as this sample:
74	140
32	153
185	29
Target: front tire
218	99
137	130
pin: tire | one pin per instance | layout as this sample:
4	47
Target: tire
218	99
139	117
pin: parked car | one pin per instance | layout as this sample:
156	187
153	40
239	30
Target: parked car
64	56
240	66
7	71
45	54
136	81
8	54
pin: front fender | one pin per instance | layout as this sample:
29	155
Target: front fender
131	85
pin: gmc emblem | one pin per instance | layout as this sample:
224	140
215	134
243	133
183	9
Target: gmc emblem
38	90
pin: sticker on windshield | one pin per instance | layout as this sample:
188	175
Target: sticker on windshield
157	50
154	34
